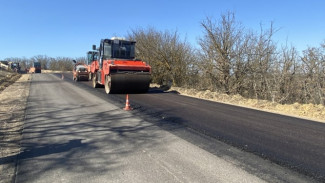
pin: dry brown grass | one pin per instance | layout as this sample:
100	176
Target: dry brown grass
7	78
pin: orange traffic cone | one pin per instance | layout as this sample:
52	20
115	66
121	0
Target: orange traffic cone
127	104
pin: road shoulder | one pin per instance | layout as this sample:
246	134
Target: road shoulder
12	111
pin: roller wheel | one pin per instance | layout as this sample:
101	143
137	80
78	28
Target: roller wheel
95	85
108	84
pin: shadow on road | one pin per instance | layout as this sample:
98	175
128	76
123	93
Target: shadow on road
32	150
79	138
36	150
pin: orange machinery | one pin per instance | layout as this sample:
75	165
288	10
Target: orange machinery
80	71
118	70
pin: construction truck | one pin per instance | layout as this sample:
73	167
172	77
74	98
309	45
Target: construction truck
15	67
12	66
118	70
36	68
80	71
92	62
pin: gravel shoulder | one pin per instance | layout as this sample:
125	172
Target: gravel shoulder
12	111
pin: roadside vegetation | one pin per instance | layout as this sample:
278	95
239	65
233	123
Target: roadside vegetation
7	78
234	60
230	59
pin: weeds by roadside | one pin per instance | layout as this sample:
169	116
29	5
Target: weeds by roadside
7	78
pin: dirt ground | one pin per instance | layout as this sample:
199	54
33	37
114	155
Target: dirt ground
13	100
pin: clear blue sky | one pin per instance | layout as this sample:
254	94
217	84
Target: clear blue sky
70	27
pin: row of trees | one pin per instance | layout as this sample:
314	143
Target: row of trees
47	63
231	59
234	60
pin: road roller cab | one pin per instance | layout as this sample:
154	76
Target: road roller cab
92	62
118	70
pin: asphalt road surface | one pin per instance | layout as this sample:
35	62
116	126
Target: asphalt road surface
74	133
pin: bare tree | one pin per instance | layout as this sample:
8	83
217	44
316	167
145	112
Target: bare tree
313	68
168	55
263	57
43	59
23	62
285	84
220	44
237	61
61	64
